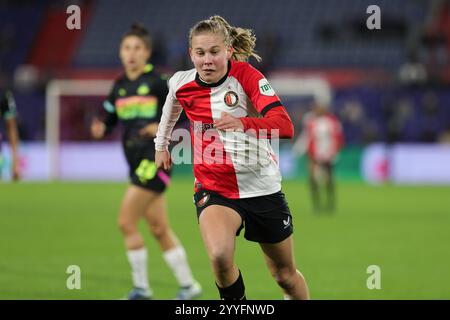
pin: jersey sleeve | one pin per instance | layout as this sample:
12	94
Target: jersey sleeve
170	113
110	119
259	91
8	105
275	118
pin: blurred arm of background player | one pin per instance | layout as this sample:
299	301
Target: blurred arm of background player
300	146
13	138
99	129
149	130
8	110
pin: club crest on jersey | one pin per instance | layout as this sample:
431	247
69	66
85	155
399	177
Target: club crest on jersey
122	92
201	199
231	98
143	90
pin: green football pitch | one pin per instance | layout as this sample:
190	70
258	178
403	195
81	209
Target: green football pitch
405	231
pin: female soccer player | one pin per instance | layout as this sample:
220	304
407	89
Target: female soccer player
136	100
8	113
233	110
323	138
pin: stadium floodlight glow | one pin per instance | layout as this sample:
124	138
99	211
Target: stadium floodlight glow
54	91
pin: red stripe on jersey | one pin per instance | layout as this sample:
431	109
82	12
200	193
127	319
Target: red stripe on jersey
211	163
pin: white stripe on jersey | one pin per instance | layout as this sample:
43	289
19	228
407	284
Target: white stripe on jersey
256	170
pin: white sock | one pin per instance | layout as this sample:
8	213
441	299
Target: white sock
138	263
177	261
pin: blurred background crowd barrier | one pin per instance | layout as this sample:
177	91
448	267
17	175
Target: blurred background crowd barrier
389	87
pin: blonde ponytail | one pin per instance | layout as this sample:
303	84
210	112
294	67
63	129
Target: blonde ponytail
242	40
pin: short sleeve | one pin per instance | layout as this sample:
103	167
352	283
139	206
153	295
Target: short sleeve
258	89
7	105
110	101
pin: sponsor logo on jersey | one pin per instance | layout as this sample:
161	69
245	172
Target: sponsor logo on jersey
231	98
137	107
200	126
265	88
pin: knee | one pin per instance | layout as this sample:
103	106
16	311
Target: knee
285	277
158	230
126	226
221	259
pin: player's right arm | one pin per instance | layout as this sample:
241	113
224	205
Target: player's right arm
170	114
163	160
100	128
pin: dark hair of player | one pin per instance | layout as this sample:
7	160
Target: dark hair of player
138	30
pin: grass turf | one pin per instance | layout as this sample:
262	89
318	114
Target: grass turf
46	227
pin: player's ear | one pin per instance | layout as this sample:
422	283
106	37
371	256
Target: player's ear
230	51
190	54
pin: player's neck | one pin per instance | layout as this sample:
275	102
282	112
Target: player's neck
133	74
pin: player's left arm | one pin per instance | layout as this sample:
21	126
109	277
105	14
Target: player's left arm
9	113
13	138
339	134
274	120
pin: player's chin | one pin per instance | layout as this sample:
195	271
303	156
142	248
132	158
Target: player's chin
208	76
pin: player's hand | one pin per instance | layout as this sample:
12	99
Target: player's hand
149	130
228	123
163	160
15	170
98	129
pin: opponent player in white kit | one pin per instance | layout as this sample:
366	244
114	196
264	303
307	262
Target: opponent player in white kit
233	111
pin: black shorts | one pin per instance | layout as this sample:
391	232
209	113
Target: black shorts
327	165
266	219
146	176
142	169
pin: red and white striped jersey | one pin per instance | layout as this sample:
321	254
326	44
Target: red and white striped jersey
234	164
324	137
